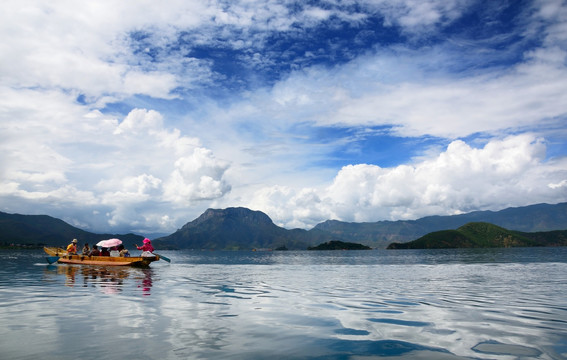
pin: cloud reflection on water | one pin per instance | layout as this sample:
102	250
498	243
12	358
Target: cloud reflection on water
292	311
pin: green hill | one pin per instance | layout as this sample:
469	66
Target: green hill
471	235
40	230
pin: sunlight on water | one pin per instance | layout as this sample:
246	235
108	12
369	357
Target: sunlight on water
487	304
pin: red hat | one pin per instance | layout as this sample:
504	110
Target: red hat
146	240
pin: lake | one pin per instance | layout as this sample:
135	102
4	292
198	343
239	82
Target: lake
404	304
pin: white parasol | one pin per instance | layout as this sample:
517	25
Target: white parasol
109	243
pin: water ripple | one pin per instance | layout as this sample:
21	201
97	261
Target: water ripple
400	322
292	305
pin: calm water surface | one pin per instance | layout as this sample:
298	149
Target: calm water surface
406	304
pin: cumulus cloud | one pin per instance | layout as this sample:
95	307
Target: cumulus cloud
139	121
507	172
84	47
133	169
197	176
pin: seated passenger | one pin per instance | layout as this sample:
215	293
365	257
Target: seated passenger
94	251
104	252
86	249
123	252
114	252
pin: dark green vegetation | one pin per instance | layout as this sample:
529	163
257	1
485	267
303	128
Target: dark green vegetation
548	238
244	229
483	235
39	230
339	245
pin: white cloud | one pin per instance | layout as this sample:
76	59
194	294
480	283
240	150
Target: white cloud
154	84
415	16
559	185
132	173
85	46
366	94
507	172
197	176
140	120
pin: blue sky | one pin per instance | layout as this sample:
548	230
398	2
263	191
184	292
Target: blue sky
137	116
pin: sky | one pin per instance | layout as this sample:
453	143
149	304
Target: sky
137	116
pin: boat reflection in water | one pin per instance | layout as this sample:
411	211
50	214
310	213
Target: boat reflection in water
109	279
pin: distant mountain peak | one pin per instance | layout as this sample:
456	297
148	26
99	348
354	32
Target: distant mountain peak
241	214
237	228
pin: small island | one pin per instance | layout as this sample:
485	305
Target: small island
339	245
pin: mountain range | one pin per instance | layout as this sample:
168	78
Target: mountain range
532	218
241	229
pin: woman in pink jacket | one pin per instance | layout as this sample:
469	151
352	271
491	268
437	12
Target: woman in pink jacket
147	248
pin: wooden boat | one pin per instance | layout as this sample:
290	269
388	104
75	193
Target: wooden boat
60	255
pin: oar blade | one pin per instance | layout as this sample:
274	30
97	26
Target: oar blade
52	259
164	257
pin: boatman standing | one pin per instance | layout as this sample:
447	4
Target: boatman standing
72	247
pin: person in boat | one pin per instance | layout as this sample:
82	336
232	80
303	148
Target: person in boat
86	250
123	252
147	248
72	247
104	252
94	251
114	252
